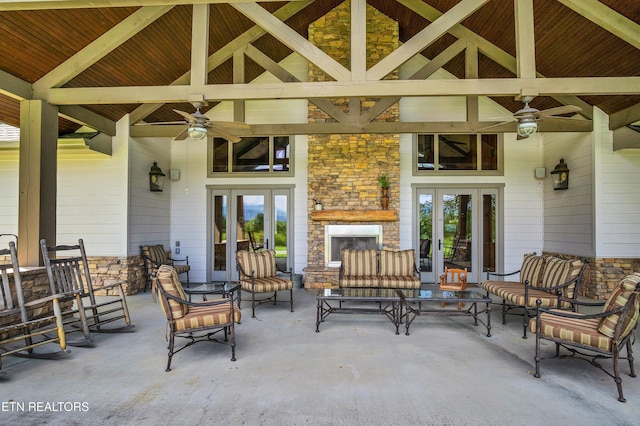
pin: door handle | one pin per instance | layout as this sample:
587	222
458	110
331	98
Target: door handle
266	244
439	244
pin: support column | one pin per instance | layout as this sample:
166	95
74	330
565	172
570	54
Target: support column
37	179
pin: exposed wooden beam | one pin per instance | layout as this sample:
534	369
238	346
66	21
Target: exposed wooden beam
471	71
292	39
15	87
100	47
199	46
332	89
84	4
525	40
626	116
372	127
238	77
424	38
83	116
282	74
358	40
607	18
224	53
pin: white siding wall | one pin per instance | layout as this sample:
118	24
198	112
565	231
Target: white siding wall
617	194
8	195
568	221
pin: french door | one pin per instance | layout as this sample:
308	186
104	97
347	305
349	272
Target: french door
251	219
451	223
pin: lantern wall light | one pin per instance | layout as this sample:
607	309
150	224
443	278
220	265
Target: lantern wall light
560	176
156	178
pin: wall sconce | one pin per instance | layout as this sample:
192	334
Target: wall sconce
156	178
560	176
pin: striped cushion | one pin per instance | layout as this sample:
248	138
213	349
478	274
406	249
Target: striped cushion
267	284
167	278
397	263
261	263
359	263
584	331
531	269
513	292
360	282
157	253
400	282
206	316
618	299
559	271
369	292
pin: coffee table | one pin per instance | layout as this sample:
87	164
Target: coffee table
430	300
330	300
223	288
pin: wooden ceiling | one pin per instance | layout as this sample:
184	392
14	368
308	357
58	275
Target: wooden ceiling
37	41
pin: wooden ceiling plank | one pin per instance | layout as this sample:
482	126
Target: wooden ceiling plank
424	38
331	89
607	18
223	54
83	4
100	47
525	39
293	40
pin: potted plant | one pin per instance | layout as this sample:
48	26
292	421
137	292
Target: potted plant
383	181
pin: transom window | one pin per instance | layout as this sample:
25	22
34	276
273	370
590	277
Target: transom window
457	154
257	154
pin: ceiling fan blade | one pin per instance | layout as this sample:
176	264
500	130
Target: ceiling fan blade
186	115
182	135
158	123
494	125
217	131
567	109
235	125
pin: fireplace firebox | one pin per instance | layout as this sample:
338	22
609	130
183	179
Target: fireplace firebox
359	237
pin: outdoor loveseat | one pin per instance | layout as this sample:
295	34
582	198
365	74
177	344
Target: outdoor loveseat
378	268
553	281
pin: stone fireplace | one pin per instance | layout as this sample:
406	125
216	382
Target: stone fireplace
343	169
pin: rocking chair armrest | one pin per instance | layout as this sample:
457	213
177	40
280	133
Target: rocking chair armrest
110	286
47	299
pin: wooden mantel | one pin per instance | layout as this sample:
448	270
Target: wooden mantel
355	215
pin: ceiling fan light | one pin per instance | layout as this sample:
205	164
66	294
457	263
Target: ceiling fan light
527	127
197	132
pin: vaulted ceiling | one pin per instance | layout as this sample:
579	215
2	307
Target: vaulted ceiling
98	62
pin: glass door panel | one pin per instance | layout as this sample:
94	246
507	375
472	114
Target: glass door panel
489	234
220	209
425	232
280	230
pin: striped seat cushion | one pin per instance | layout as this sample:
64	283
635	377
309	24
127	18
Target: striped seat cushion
583	331
359	282
167	278
207	316
369	292
410	282
359	263
618	299
267	284
261	263
531	270
397	263
513	292
558	271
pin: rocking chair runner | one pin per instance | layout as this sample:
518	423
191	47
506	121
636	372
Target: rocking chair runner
22	330
68	271
194	321
595	336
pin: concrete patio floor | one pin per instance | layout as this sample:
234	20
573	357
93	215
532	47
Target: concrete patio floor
355	371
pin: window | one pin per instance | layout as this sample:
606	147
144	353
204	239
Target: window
457	154
258	154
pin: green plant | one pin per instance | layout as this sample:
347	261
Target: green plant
383	181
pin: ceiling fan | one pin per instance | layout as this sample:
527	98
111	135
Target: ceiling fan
528	117
199	125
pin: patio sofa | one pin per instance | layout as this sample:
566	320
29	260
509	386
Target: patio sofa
378	268
553	281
